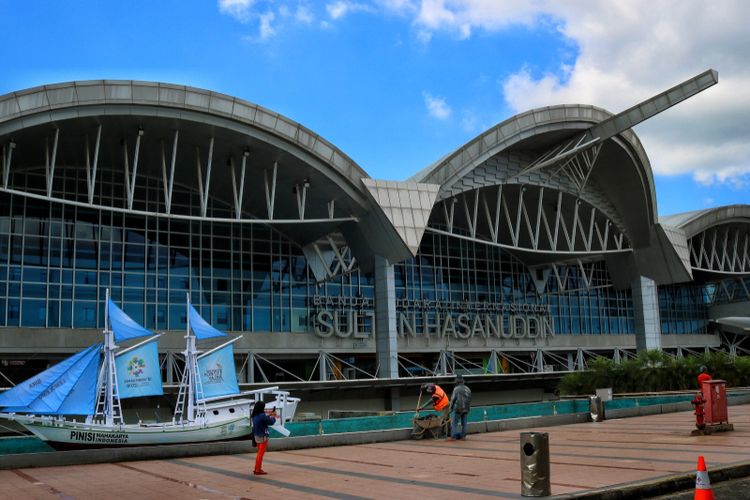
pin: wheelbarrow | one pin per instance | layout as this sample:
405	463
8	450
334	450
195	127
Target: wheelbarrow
433	425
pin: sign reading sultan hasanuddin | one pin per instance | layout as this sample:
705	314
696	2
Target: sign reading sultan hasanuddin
429	318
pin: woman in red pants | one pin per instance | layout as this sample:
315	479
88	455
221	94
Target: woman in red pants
261	421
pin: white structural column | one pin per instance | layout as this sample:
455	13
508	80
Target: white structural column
250	369
646	311
322	367
91	171
7	156
386	347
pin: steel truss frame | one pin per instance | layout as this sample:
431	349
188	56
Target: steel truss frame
524	361
529	228
729	290
204	175
721	249
328	366
574	159
735	343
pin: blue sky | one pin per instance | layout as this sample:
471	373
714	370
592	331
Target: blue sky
396	84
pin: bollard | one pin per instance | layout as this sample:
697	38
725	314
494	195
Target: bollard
596	406
535	480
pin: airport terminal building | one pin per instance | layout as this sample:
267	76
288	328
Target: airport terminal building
534	247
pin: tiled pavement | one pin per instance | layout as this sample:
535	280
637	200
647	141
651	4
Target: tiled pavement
583	456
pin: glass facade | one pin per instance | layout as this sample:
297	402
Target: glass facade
728	291
683	309
57	260
458	271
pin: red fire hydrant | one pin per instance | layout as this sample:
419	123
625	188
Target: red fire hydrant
698	402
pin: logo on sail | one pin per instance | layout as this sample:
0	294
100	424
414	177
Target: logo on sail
215	375
138	372
136	366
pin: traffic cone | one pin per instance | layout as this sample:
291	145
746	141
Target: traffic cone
703	489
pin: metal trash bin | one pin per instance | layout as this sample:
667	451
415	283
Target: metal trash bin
535	480
596	406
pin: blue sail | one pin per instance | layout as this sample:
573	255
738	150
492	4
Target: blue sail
124	327
67	391
81	399
27	391
138	372
217	373
200	327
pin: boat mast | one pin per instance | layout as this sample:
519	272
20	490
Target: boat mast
189	405
108	397
190	366
112	410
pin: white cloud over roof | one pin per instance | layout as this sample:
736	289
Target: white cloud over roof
436	106
239	9
626	52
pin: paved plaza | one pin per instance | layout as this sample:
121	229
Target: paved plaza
583	457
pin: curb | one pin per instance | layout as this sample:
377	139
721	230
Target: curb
663	485
126	454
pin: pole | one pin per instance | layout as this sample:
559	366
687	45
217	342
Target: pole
190	364
108	343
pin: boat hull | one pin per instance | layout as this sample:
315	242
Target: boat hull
62	434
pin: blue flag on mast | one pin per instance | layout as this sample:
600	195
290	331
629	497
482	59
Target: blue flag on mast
123	326
201	328
217	373
138	372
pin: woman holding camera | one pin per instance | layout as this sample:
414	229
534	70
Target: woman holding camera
261	421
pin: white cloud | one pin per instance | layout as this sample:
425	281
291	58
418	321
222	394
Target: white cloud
461	16
338	9
735	176
424	36
625	52
269	21
631	51
436	106
304	15
239	9
266	30
628	52
341	8
398	6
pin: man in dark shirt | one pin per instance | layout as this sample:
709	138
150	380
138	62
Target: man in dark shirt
460	405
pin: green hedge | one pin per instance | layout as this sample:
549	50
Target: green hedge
655	371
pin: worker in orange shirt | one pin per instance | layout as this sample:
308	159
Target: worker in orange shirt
703	376
439	401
